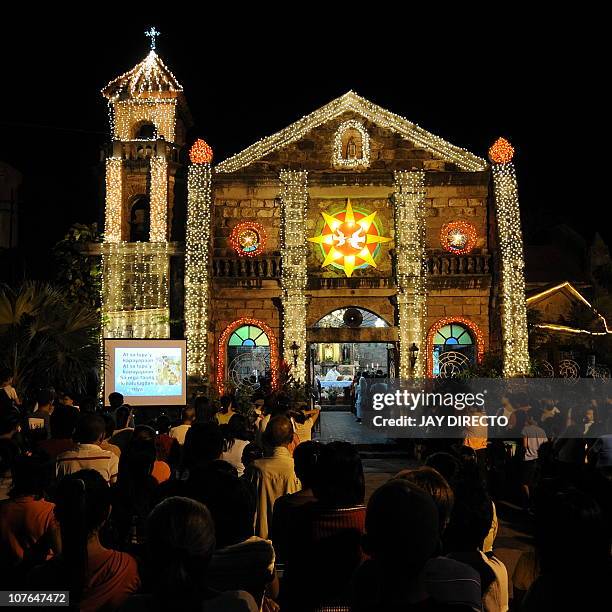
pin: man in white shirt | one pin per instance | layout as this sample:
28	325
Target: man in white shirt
180	431
275	475
87	454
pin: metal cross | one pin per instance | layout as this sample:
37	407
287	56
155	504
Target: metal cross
152	33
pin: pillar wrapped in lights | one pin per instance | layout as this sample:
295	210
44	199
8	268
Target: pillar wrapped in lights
411	270
510	237
196	258
159	198
114	199
294	196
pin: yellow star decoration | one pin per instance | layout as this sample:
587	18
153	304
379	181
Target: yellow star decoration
349	239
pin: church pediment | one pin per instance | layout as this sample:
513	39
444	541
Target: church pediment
565	308
351	133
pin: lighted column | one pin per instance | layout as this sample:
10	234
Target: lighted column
294	196
410	270
510	238
196	258
114	199
159	195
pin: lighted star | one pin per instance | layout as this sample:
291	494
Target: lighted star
349	239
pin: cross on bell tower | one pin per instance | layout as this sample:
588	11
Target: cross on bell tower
152	33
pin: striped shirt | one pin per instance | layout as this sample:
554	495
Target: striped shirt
88	457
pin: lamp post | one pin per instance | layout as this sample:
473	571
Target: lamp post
294	350
414	349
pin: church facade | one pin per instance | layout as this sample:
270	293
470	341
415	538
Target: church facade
352	238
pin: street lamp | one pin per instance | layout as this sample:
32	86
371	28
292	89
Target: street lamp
295	347
414	349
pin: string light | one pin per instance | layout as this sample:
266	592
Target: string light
159	199
197	290
200	152
351	162
514	309
411	268
126	115
222	350
438	325
294	198
114	199
458	237
351	102
501	151
248	239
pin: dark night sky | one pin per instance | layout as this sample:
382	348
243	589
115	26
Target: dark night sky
245	77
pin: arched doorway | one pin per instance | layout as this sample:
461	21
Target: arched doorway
454	344
140	219
247	356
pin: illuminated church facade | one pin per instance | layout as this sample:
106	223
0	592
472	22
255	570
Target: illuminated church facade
351	239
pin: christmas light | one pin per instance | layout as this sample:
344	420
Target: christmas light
114	199
222	350
200	152
351	102
438	325
248	239
159	199
339	159
197	265
501	151
294	197
510	238
458	237
411	268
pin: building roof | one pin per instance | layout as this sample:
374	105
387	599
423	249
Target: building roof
149	78
352	102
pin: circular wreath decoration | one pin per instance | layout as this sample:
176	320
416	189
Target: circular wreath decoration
248	239
458	237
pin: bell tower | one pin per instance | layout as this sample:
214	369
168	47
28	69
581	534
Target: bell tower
148	121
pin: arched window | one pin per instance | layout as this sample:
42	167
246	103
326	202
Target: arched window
453	349
145	131
351	145
351	317
140	220
248	356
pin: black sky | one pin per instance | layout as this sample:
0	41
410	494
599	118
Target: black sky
247	75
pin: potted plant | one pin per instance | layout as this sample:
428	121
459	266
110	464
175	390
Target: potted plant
332	396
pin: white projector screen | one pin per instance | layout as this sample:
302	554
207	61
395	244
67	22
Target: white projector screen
146	372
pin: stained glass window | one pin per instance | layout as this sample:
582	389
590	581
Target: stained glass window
453	334
249	336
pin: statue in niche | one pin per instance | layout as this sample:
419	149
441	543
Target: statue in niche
352	144
351	149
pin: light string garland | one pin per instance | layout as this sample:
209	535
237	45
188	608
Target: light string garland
458	237
222	350
114	199
364	158
438	325
248	239
159	199
197	290
294	198
126	115
351	102
514	309
411	268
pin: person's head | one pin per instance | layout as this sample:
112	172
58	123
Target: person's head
521	401
339	481
162	424
180	544
136	465
228	402
63	421
66	398
90	429
380	374
109	426
10	424
82	506
45	398
589	415
306	460
115	400
122	416
188	415
401	528
203	444
145	433
432	482
470	520
250	453
31	476
447	466
279	432
231	502
280	405
236	429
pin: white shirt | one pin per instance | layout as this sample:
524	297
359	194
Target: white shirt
535	437
88	457
234	455
179	432
303	430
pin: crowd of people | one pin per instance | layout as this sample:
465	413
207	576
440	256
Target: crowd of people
233	509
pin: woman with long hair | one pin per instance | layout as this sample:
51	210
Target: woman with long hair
235	437
98	578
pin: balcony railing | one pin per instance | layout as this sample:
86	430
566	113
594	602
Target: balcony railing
269	267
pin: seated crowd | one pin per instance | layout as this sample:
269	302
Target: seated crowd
242	510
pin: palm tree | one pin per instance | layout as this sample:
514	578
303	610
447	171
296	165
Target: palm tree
46	340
